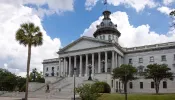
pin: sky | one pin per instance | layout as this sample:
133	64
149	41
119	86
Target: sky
141	22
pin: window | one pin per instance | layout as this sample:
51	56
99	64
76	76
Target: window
140	69
130	61
100	37
102	24
151	59
141	85
46	74
47	69
163	58
103	37
164	84
130	85
52	68
152	85
140	60
110	24
174	56
58	68
109	37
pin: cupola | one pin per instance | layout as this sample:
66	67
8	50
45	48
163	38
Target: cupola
107	30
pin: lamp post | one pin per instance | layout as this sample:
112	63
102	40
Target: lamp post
74	81
103	68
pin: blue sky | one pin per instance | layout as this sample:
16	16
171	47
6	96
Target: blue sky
141	22
69	25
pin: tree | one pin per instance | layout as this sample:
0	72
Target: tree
125	73
29	35
8	80
172	14
158	72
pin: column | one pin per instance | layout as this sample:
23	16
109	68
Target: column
106	61
80	66
99	62
86	73
113	60
119	60
75	65
93	64
60	67
64	66
116	61
70	66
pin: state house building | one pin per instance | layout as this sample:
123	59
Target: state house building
102	53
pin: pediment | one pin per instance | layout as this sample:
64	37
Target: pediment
84	43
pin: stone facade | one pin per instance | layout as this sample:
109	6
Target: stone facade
103	53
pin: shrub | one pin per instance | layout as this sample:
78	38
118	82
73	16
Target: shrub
88	92
102	87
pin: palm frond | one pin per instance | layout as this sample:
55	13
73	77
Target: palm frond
37	40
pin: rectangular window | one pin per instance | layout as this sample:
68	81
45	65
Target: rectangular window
47	69
130	85
152	85
140	60
130	61
163	57
141	85
174	56
164	84
151	59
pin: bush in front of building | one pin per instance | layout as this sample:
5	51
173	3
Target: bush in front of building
103	87
88	92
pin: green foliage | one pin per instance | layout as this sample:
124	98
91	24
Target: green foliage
88	92
103	87
9	81
124	73
36	76
29	34
158	72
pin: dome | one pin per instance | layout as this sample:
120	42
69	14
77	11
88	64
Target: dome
106	26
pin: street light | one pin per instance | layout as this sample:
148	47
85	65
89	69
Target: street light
103	68
74	81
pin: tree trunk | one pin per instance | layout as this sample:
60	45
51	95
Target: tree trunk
28	68
157	87
125	88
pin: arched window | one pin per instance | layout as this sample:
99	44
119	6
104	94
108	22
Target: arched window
130	85
102	24
103	37
109	37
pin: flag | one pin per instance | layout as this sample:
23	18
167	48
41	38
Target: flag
105	2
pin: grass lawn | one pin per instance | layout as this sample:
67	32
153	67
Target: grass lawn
138	97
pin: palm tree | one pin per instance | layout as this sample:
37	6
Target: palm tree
29	35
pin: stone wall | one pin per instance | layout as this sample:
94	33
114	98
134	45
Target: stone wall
35	85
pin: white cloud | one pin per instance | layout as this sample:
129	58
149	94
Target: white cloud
132	36
164	10
168	2
138	5
53	6
15	55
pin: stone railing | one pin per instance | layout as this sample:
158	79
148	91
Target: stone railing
51	60
150	46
